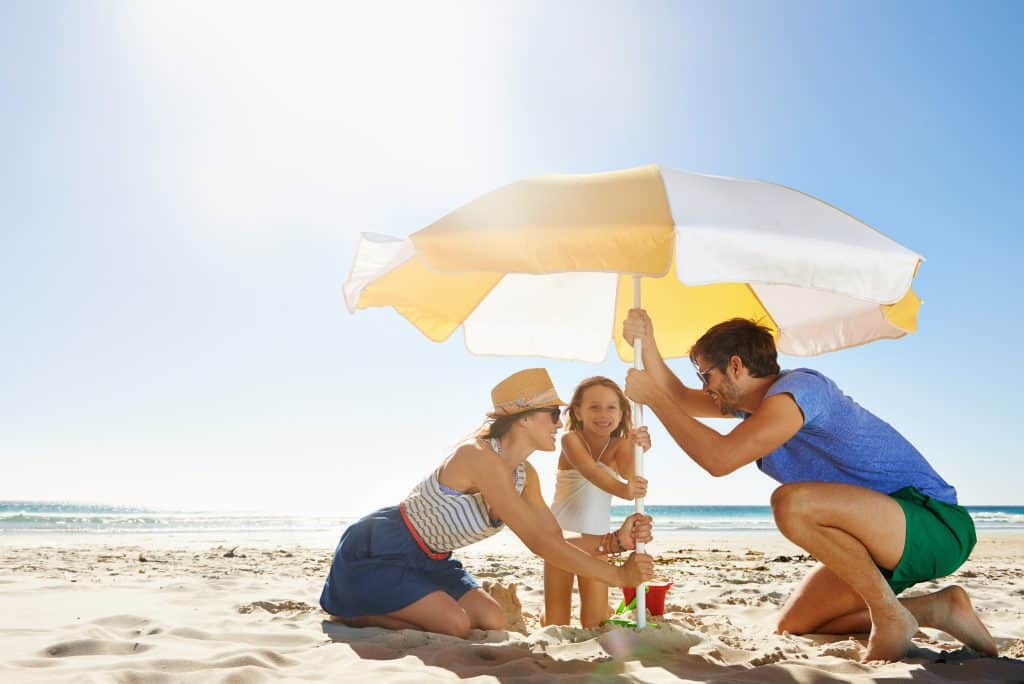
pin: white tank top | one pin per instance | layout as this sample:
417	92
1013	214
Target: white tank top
579	504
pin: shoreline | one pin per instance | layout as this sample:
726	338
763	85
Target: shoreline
328	538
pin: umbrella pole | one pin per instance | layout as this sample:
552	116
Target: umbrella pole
638	420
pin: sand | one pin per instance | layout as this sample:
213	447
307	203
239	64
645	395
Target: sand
129	608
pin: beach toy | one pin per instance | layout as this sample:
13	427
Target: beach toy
656	592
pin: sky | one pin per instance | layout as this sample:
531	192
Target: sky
183	184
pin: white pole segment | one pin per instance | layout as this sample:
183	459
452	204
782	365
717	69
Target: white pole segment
638	420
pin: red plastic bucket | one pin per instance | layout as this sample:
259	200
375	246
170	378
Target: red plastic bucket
655	597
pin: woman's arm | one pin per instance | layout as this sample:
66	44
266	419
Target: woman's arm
576	453
531	520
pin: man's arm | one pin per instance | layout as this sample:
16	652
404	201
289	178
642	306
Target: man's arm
777	419
693	401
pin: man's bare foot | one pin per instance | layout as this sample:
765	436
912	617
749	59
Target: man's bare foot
890	635
951	611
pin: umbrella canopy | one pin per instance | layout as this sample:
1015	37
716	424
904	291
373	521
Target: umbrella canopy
543	267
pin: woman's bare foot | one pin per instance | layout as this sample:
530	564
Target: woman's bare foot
951	611
890	634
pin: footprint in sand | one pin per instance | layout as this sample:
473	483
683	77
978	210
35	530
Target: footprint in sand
1014	649
86	647
846	649
121	621
276	606
768	658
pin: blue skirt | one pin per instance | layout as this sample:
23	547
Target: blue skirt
379	568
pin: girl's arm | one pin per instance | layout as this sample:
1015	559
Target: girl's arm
576	452
625	461
530	518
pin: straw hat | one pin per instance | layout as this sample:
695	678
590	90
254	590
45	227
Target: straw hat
526	390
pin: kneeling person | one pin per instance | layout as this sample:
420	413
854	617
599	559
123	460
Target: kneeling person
856	494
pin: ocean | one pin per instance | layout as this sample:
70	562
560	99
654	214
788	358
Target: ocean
38	517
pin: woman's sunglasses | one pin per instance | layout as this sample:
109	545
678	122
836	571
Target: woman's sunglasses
554	412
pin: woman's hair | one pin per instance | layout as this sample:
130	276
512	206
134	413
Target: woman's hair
624	426
495	428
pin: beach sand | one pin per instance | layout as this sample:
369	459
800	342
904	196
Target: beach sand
171	609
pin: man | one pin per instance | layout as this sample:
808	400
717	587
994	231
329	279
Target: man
855	493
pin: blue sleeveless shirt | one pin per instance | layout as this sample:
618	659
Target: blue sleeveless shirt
841	441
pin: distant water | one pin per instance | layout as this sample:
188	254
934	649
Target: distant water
34	517
759	518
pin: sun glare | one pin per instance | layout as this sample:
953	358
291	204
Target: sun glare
269	91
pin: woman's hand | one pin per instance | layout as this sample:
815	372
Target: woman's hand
637	569
634	489
635	528
642	437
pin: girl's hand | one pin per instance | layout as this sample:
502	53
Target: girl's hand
635	488
637	569
642	437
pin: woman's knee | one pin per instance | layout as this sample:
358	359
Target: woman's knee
455	623
484	610
492	616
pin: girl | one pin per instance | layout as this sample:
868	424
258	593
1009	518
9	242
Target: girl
597	461
394	568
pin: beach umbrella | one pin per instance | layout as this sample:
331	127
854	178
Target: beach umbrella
543	267
549	267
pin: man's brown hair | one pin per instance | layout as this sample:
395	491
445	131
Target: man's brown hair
740	337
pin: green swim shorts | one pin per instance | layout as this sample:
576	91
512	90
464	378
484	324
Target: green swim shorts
940	537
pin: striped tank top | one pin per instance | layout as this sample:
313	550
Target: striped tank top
441	519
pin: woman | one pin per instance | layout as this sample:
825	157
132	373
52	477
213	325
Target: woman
394	569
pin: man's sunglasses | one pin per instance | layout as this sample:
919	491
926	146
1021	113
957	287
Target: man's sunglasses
705	375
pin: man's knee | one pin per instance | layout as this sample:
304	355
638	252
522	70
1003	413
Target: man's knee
787	623
798	614
792	504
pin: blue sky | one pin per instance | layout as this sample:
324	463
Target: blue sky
182	186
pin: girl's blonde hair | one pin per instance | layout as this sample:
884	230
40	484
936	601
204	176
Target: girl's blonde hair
624	426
